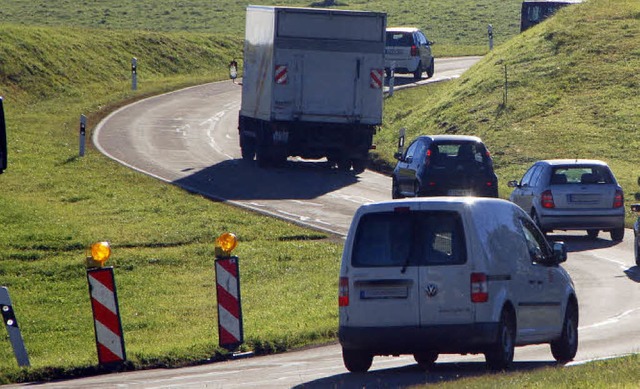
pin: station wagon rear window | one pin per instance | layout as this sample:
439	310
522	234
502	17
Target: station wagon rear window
390	239
581	175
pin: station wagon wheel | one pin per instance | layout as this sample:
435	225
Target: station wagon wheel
636	250
417	74
592	234
356	361
426	359
431	69
565	348
617	234
500	355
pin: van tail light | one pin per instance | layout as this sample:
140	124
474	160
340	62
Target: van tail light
618	199
414	51
479	288
427	158
489	184
546	199
343	292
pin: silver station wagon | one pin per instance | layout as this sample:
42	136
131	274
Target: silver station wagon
572	194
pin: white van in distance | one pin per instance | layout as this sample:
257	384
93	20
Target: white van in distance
452	275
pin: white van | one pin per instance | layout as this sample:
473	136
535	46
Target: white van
452	275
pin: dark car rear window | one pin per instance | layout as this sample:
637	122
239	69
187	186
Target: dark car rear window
585	174
451	154
399	39
409	238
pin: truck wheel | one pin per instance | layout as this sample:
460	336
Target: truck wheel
359	165
263	159
565	348
344	165
356	361
500	355
636	249
248	149
426	359
417	74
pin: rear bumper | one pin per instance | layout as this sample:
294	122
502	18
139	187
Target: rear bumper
560	221
403	65
452	338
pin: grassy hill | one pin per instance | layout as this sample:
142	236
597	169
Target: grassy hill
571	92
459	28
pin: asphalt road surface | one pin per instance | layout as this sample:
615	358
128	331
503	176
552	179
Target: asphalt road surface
189	138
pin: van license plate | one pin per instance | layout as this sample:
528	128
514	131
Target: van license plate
396	292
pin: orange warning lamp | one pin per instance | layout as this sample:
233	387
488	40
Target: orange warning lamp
100	253
225	243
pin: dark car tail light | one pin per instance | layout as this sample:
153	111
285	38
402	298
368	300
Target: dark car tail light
343	292
414	51
479	288
546	199
618	199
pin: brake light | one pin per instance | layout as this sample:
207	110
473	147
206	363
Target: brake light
427	159
618	199
414	51
343	292
546	199
489	184
479	288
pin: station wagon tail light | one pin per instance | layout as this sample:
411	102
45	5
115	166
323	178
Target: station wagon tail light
414	51
546	199
479	288
343	292
618	199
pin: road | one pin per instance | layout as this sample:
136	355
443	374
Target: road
189	138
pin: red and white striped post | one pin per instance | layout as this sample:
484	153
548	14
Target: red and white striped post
230	332
104	303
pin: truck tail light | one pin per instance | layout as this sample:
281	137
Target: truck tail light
479	288
546	199
414	51
618	199
343	292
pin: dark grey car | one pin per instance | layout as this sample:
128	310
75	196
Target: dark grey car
444	165
572	194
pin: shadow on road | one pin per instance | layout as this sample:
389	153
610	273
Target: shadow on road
239	180
577	243
411	375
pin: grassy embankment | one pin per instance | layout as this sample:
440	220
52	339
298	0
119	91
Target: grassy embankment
459	28
54	204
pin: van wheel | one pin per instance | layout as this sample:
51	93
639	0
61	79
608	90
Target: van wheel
344	165
356	361
500	355
417	74
617	234
359	164
592	234
426	359
565	348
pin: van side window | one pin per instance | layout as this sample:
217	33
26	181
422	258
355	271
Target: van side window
536	243
413	238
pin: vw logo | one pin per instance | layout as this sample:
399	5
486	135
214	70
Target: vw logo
431	290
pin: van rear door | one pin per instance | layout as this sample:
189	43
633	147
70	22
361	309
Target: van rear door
444	270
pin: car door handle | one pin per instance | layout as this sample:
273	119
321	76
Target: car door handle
533	282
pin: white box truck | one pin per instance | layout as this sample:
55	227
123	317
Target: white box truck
312	85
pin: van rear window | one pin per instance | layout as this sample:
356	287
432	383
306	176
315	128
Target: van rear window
409	238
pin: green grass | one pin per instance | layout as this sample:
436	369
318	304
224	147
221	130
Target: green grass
458	28
571	92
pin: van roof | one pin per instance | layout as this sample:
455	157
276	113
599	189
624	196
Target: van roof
402	29
467	138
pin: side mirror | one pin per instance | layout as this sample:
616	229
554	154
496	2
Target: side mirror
637	196
559	252
512	184
635	208
397	155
